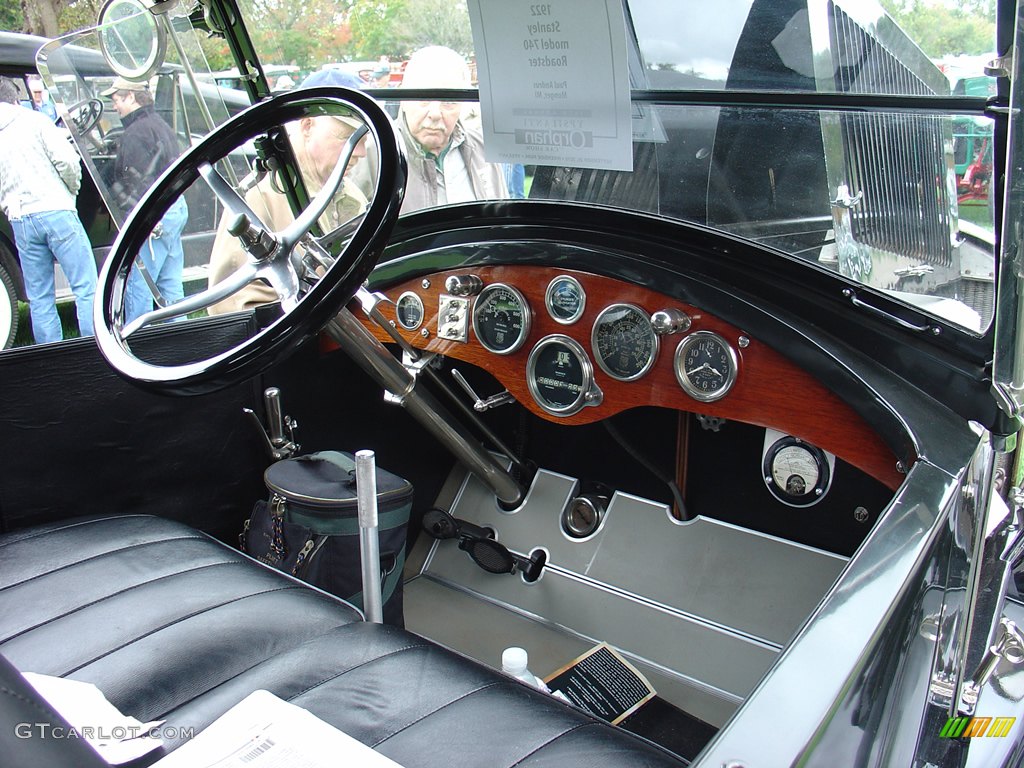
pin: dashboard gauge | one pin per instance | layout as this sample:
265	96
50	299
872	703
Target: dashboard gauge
624	342
501	318
409	311
560	376
797	473
565	299
706	366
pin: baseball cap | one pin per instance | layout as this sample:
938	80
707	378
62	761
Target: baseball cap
335	78
120	84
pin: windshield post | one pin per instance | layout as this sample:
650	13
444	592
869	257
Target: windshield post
1008	371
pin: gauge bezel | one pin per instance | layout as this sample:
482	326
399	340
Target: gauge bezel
684	381
655	345
814	494
589	394
398	315
550	292
523	334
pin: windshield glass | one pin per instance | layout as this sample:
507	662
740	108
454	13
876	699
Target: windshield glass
851	137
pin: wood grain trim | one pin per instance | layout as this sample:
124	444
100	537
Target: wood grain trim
770	391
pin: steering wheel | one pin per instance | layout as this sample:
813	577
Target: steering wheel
86	114
312	284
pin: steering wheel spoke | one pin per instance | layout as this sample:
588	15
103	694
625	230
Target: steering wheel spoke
311	282
229	198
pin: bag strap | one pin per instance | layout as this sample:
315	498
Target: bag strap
342	461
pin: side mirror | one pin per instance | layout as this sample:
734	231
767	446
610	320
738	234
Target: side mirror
131	38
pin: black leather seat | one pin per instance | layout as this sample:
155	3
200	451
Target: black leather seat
173	625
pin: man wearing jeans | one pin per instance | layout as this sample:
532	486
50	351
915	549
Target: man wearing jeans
39	179
148	146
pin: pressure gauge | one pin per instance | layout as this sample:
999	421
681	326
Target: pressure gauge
797	473
409	311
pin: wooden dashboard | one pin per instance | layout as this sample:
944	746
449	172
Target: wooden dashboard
768	390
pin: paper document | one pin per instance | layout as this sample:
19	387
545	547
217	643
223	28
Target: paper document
263	731
602	683
572	107
118	738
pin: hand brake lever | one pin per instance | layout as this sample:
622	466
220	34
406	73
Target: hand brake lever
278	444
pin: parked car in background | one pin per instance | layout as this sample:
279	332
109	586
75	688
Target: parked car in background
97	127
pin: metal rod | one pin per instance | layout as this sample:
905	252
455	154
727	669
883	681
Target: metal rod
369	541
374	358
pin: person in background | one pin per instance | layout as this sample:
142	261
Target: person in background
445	151
41	101
40	174
381	76
318	143
148	146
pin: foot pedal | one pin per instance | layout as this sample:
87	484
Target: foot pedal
479	543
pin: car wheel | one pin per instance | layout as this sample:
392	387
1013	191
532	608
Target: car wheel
8	308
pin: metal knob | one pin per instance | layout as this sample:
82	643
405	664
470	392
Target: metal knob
666	321
463	285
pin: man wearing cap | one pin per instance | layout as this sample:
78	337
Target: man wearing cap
148	146
40	175
445	152
317	143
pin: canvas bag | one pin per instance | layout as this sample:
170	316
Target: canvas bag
310	527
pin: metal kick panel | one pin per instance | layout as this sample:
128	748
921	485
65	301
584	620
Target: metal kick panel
754	584
482	630
701	653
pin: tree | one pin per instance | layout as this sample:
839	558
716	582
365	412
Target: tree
396	28
12	18
939	29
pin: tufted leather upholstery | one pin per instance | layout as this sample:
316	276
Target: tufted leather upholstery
173	625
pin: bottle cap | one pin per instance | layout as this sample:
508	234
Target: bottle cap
514	660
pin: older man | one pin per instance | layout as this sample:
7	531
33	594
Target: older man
445	151
317	143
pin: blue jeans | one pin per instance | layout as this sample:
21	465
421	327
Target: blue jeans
43	238
164	260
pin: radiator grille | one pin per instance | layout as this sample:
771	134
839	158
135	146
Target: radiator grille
896	162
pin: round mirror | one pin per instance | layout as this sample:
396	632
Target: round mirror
132	39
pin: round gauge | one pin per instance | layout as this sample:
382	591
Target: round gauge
501	318
796	472
565	299
560	376
409	311
705	366
625	345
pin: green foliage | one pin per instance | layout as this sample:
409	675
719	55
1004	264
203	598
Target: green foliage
396	28
940	29
12	18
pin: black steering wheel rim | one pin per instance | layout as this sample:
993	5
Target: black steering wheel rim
316	307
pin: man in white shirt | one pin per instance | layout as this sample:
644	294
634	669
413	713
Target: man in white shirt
40	175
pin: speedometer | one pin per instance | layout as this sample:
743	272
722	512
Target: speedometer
625	345
501	318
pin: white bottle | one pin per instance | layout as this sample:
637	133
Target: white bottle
514	662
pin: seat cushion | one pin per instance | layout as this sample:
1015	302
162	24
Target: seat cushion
173	625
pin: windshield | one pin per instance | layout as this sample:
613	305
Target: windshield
823	130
